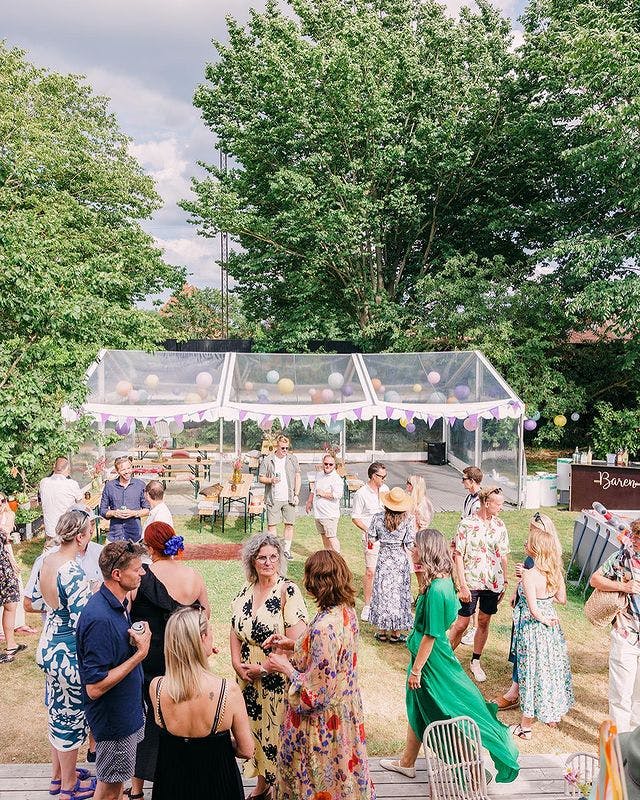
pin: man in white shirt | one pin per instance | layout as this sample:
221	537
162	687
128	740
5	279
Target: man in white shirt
58	493
280	474
366	503
154	492
325	500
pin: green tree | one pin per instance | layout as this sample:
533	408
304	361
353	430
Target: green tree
192	313
73	257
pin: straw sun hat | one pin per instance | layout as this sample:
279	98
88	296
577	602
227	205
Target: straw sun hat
396	500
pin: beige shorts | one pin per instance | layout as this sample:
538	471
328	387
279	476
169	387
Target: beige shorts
281	511
371	550
327	527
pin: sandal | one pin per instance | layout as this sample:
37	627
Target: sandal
9	655
83	775
78	792
133	796
520	732
398	639
381	637
91	756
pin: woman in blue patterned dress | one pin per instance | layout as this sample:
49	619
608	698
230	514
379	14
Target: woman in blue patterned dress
391	597
65	591
544	674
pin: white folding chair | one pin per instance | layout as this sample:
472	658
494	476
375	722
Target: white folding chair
455	767
585	765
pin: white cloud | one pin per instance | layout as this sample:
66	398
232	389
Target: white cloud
198	255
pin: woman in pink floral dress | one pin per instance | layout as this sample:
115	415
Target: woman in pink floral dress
322	753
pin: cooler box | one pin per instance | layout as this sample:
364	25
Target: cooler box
532	492
548	489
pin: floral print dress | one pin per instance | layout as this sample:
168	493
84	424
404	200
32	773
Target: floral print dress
391	596
264	698
544	674
323	754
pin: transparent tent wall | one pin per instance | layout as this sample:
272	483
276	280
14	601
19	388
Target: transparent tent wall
462	443
393	438
500	455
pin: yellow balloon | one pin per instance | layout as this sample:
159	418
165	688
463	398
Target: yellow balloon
417	388
452	399
286	386
560	420
403	422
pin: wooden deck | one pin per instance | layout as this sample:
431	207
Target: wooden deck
541	778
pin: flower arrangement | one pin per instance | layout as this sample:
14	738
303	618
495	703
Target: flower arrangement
236	477
173	546
574	778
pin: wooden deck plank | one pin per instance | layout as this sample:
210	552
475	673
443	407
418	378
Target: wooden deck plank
541	778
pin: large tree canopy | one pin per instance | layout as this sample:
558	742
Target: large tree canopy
409	180
73	257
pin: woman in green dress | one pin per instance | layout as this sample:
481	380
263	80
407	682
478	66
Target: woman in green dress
437	687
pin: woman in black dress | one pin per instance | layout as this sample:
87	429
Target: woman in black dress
166	585
197	712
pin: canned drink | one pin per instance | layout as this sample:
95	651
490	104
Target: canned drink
137	627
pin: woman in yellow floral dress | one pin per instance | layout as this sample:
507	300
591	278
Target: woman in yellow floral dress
267	604
322	754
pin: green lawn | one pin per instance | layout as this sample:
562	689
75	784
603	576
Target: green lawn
381	667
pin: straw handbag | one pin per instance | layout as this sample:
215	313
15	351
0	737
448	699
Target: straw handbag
602	607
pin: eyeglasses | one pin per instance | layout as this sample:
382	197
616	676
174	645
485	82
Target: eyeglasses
378	475
464	480
129	548
539	521
267	559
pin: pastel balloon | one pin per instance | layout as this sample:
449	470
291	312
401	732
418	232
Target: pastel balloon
123	428
530	424
143	395
151	381
575	416
204	379
316	396
175	427
560	420
417	388
334	427
192	397
462	391
433	377
437	397
411	428
273	376
335	380
470	424
347	390
376	383
327	395
266	424
391	396
286	386
382	389
123	388
535	416
263	395
134	396
248	386
403	422
202	391
452	399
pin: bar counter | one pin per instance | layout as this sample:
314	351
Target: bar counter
614	487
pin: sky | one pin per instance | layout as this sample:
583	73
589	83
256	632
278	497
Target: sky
148	57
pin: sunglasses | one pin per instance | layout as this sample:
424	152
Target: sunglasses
129	548
3	500
497	490
328	464
378	475
409	483
284	447
539	521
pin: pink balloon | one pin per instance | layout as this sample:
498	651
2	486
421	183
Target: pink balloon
470	424
327	395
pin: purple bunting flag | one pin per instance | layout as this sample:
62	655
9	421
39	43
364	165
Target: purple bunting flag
358	413
242	415
389	412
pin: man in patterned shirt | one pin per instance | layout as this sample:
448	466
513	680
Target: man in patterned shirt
481	546
621	573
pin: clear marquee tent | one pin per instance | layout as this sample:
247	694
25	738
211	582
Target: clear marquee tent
397	401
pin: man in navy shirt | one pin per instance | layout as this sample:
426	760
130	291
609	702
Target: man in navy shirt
110	655
124	503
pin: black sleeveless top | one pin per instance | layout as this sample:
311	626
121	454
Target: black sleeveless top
199	767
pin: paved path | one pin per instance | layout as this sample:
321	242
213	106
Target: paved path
541	778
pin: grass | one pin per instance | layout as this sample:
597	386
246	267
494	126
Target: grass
381	667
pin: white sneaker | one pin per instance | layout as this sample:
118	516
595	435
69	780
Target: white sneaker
468	637
476	670
393	765
364	614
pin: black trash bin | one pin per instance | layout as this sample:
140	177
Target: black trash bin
437	453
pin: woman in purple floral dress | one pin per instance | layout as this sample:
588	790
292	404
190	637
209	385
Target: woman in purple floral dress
322	753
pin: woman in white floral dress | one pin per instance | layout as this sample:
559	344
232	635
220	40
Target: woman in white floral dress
544	674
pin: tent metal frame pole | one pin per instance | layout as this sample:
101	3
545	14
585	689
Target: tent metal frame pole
374	430
221	447
520	460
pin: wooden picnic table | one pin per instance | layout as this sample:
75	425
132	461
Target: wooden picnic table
240	495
